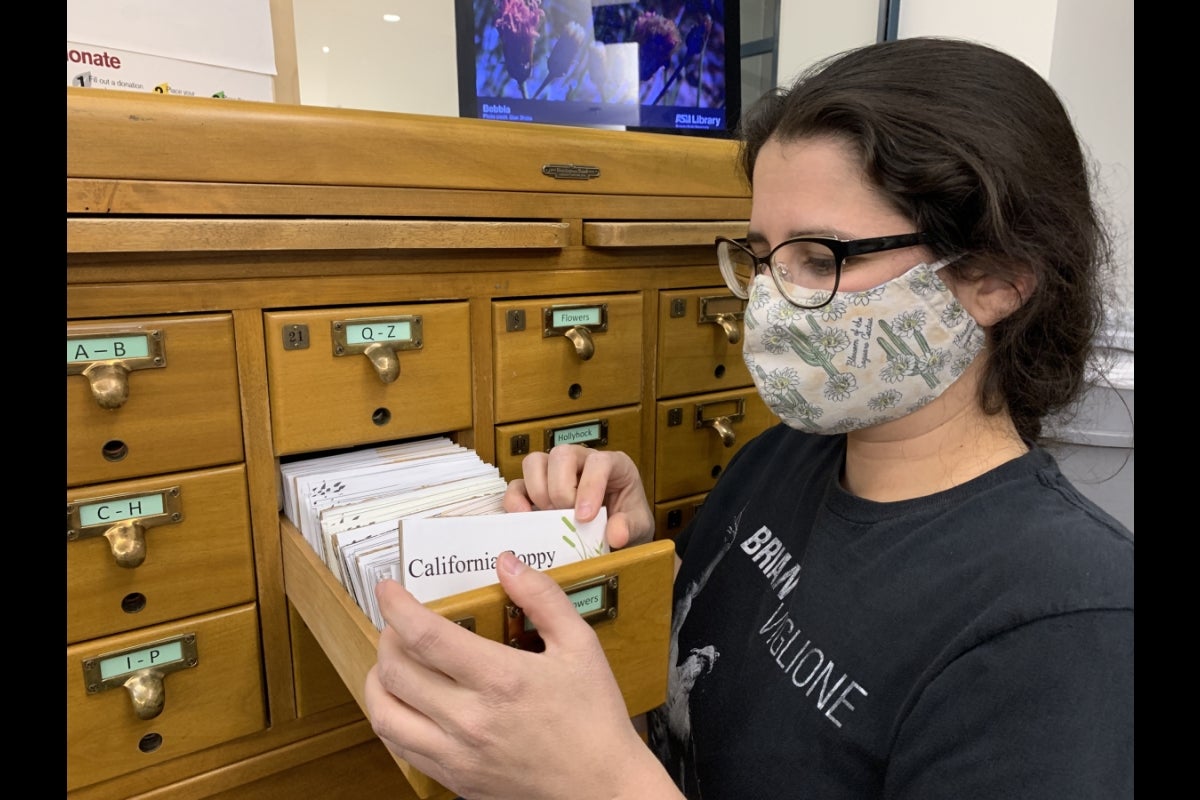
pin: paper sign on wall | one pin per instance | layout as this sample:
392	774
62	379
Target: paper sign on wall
97	67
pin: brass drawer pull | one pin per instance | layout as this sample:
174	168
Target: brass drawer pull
123	520
722	423
378	338
106	360
585	347
141	670
725	311
576	322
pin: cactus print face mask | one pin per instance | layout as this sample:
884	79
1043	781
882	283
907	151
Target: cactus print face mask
865	358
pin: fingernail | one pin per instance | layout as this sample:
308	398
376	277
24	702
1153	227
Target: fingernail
509	562
584	511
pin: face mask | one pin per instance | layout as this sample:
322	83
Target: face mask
865	358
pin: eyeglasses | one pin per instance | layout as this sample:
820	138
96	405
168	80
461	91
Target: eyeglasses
807	269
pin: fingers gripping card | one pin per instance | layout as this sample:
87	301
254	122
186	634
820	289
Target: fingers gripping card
441	556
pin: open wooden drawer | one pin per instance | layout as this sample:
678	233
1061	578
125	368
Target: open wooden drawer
632	588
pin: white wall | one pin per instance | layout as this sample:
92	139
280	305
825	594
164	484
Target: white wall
407	66
1084	48
1092	67
812	29
1023	28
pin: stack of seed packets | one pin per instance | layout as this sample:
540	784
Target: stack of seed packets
428	513
348	506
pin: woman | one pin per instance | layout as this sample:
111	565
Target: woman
895	593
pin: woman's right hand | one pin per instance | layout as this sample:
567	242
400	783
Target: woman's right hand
573	476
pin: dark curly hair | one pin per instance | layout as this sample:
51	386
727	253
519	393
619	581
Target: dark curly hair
975	147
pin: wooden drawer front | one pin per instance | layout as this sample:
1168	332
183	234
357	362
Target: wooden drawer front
634	638
691	451
539	375
320	400
700	342
200	563
183	415
621	429
672	517
215	701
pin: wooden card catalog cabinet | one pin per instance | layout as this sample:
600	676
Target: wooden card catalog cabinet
249	283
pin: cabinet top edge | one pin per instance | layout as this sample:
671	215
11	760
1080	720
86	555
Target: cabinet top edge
135	135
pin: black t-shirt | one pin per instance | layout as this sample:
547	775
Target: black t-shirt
975	643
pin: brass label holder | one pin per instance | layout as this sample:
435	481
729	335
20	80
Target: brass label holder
725	311
141	671
379	339
577	323
123	519
595	599
722	423
106	358
593	433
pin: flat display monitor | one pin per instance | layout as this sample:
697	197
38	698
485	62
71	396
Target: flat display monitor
667	66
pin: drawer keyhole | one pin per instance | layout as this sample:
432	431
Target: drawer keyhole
133	602
150	742
114	450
